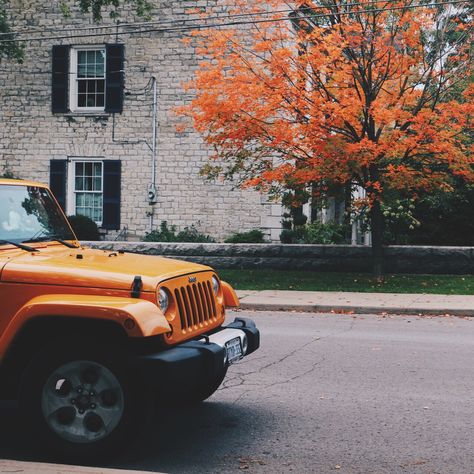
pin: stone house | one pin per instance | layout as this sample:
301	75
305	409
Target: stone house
79	113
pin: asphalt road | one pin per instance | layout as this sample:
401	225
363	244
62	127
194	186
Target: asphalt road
325	393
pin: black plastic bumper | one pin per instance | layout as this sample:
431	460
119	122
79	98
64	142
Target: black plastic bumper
250	330
189	363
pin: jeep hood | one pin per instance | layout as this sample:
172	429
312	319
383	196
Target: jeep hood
93	268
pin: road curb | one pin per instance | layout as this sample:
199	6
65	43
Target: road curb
9	466
317	308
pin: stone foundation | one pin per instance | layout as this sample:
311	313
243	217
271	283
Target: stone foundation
340	258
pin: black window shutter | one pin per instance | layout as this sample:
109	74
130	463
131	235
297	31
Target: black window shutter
114	83
112	172
57	180
60	79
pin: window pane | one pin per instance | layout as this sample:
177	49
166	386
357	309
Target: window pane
79	169
90	57
100	85
81	57
82	86
79	184
91	86
81	100
97	169
100	100
81	70
88	184
90	72
84	211
88	168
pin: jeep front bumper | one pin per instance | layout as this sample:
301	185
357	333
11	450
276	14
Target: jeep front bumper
187	364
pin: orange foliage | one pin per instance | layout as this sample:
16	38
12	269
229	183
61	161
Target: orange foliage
347	98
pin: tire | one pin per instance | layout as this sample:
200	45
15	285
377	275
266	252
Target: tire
79	400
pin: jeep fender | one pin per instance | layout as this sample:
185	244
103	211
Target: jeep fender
139	318
231	300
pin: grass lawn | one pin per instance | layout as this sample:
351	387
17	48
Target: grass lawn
324	281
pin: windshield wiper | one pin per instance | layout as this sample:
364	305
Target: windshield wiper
20	246
45	238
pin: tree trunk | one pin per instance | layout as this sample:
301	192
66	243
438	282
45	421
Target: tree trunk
377	226
347	211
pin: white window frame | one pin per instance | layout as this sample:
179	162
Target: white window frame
73	89
71	184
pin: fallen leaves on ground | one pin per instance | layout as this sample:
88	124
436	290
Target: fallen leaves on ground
245	462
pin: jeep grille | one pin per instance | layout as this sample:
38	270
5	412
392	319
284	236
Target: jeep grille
196	305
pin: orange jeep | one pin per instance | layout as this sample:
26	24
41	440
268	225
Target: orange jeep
87	335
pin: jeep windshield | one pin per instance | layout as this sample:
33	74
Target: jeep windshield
30	214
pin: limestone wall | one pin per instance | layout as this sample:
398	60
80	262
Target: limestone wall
399	259
31	135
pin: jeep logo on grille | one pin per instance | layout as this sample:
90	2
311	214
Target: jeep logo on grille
192	279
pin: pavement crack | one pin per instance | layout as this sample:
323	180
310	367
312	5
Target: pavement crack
297	376
239	379
287	356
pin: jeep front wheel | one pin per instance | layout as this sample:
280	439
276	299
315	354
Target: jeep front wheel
80	402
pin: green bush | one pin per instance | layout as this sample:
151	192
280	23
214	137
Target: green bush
84	227
293	236
330	233
287	236
299	220
436	218
315	233
170	234
254	236
191	234
163	234
8	175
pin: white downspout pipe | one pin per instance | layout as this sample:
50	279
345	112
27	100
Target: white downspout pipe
152	188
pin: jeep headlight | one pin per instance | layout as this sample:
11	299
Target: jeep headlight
215	285
163	299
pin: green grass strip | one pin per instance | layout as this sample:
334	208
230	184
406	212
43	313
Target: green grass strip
361	282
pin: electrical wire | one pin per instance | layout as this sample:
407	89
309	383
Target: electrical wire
145	89
187	20
234	23
141	90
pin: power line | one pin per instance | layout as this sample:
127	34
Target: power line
145	89
187	20
234	23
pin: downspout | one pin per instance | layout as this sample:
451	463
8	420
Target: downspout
152	188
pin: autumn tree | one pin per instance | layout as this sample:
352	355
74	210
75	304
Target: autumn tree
338	93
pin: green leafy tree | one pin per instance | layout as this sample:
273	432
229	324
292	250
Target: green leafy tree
96	7
10	49
84	227
437	218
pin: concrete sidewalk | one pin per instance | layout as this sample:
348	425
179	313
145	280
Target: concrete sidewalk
9	466
332	301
